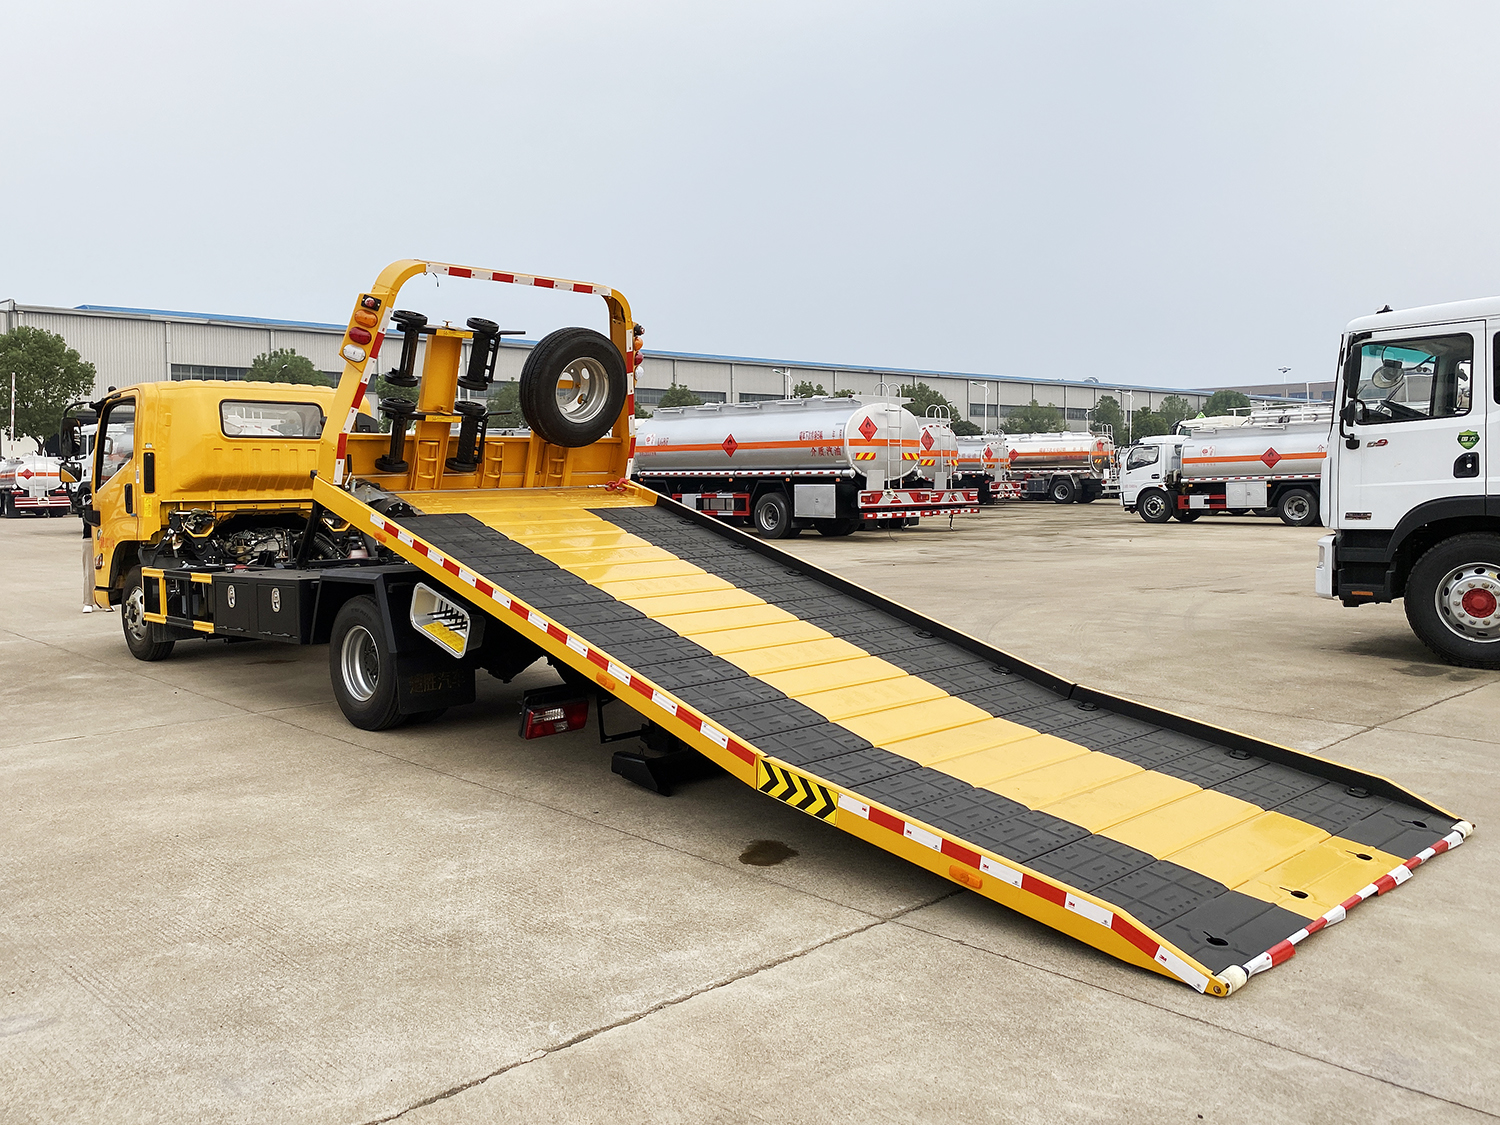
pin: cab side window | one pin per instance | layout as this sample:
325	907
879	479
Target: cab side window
1143	455
1406	380
115	441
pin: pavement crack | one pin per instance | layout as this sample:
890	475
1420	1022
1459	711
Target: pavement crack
669	1002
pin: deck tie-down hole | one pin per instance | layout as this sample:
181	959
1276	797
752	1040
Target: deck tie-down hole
1239	755
1364	856
1214	939
1358	791
1416	823
924	634
1088	706
1295	894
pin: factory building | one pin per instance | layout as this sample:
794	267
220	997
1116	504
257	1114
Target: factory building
143	345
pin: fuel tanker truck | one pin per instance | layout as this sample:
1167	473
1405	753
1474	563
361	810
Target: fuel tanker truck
834	464
1063	467
1268	461
31	483
983	464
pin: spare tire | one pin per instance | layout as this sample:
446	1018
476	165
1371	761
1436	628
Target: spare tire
573	387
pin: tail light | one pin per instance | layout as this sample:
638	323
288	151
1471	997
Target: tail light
553	711
635	359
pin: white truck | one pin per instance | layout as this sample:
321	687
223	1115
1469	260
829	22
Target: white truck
31	483
1270	460
1066	468
829	463
1411	496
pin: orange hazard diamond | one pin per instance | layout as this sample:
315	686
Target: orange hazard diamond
730	445
869	428
1270	457
926	439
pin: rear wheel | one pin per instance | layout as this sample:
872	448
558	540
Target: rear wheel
1297	508
1153	506
1239	511
7	506
1453	600
1063	491
1187	515
362	667
145	639
573	387
773	516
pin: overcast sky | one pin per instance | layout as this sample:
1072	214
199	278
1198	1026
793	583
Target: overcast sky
1186	194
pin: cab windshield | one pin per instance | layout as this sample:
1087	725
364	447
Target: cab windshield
1402	380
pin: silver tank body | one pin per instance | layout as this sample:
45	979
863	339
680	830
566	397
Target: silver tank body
874	437
1069	450
982	454
1254	451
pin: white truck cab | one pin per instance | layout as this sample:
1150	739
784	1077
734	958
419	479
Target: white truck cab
1145	468
1410	492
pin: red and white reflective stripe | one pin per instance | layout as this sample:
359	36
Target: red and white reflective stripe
445	270
577	644
886	513
1030	884
1283	950
653	474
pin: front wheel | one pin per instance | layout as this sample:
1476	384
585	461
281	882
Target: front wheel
145	639
1153	506
1063	491
362	666
1297	508
1453	600
773	516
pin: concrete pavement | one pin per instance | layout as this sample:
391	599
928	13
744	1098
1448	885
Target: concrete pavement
219	901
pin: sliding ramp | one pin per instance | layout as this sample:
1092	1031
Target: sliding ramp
1198	853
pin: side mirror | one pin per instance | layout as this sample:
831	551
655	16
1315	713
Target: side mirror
68	471
91	516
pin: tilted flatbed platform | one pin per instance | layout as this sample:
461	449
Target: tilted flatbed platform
1199	853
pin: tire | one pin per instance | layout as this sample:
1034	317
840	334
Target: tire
144	639
837	528
1062	491
1239	511
573	417
1187	515
361	667
1153	505
773	516
1297	508
1460	574
7	506
1086	497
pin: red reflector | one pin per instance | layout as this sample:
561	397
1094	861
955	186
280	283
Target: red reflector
544	713
360	335
370	302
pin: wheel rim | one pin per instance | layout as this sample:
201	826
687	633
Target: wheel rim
582	388
1468	602
360	661
1153	506
134	611
1297	508
767	517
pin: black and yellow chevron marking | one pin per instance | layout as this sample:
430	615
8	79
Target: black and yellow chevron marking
798	791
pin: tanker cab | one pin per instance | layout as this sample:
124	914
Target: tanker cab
1412	424
1147	465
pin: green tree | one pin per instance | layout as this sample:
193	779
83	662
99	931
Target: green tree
1173	409
48	375
843	394
1034	419
1146	422
806	389
1107	412
679	396
284	365
505	400
1225	402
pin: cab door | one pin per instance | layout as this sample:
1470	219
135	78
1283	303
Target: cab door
1492	429
1416	406
117	488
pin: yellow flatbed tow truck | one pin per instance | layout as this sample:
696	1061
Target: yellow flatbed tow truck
1199	853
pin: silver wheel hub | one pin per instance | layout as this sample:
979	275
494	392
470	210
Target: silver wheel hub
135	613
582	388
359	659
1468	601
1297	508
